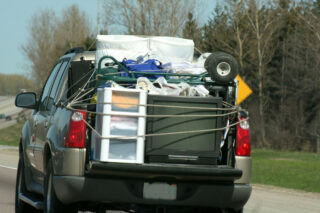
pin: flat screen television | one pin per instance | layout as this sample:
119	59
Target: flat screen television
192	148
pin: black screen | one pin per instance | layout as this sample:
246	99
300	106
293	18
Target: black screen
199	146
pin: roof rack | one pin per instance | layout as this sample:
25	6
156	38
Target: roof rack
75	50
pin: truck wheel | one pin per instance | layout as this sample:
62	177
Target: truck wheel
231	211
222	67
51	203
21	206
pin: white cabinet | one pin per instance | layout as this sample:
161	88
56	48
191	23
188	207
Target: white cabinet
120	119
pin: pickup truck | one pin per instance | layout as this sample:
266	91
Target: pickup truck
63	168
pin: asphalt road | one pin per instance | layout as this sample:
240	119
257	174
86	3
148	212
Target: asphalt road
8	108
264	199
268	199
7	105
7	186
8	171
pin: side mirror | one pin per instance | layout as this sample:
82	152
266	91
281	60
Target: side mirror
26	100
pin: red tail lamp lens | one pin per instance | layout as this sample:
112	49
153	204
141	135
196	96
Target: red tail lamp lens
243	142
76	136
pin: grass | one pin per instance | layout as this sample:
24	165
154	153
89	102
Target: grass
10	136
295	170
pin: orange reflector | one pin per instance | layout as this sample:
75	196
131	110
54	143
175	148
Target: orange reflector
243	90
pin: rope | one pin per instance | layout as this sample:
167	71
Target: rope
199	51
228	104
91	45
150	116
163	106
80	80
86	93
168	133
78	103
74	95
82	88
92	128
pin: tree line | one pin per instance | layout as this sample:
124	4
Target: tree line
50	36
11	85
276	43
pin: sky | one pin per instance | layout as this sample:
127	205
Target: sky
15	16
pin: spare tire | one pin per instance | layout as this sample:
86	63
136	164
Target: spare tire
222	67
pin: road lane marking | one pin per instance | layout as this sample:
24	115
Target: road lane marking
8	167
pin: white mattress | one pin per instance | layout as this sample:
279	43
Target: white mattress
165	49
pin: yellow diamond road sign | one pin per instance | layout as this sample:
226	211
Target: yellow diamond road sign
243	90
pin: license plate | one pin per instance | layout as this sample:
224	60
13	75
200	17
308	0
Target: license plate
160	191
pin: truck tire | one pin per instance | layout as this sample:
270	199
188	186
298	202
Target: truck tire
232	211
20	206
51	203
239	211
222	67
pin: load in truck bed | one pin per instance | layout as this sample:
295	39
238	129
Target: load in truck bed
194	146
164	128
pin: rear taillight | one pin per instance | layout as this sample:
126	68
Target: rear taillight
243	138
76	136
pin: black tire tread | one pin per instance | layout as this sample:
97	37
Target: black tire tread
21	207
214	59
56	205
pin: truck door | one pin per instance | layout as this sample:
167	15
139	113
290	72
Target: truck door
30	146
48	112
40	122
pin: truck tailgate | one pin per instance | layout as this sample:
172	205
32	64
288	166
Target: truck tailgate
165	172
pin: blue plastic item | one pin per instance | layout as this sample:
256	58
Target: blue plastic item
150	65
